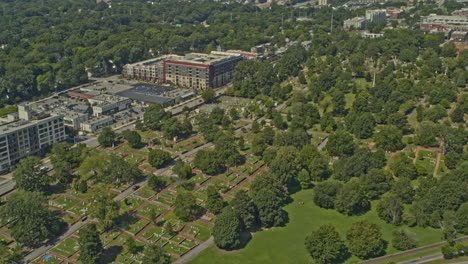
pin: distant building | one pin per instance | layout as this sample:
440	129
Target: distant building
105	104
459	35
376	16
27	133
356	23
144	93
372	35
194	70
435	22
461	12
394	13
97	123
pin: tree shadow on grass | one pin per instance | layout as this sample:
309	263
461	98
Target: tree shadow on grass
110	254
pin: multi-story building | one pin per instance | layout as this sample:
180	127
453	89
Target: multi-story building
435	22
26	134
376	15
107	104
97	123
356	23
194	70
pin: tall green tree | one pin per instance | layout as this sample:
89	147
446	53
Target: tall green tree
30	176
245	209
106	137
227	228
340	143
155	116
365	239
104	208
186	207
153	254
403	239
325	245
390	209
90	245
389	138
32	221
351	199
214	200
133	138
158	157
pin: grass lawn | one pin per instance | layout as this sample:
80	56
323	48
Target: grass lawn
200	231
67	247
146	210
286	244
130	204
167	198
64	202
145	192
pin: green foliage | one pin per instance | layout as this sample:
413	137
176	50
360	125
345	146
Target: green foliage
173	128
365	240
390	209
403	239
153	254
245	209
90	244
351	199
402	166
403	189
389	138
106	137
358	164
208	95
186	207
285	166
462	218
155	116
8	110
268	195
33	222
103	208
133	138
214	201
253	77
158	157
227	228
325	245
227	150
376	182
340	143
182	170
30	176
208	162
325	193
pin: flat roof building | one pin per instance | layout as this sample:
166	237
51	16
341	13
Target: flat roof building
105	104
193	70
376	15
356	23
435	22
96	123
28	134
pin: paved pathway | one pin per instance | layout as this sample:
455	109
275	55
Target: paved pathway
194	252
423	259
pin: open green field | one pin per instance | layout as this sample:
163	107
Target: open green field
286	244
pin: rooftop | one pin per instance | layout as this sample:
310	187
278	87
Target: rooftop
20	124
105	99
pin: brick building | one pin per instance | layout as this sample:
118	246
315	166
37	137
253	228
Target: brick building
194	70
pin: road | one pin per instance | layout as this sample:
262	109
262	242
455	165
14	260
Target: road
423	259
